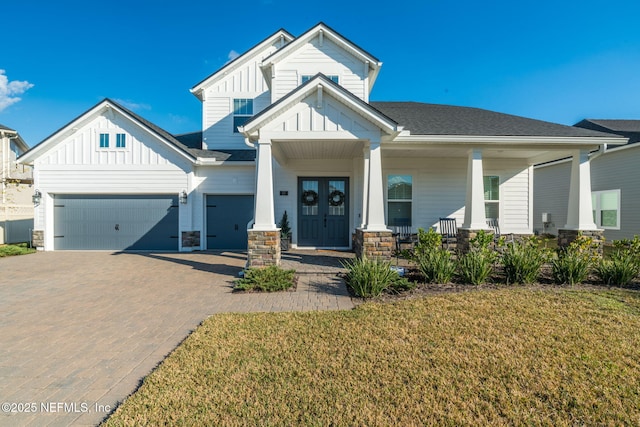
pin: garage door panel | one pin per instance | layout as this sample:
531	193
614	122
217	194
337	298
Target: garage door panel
227	218
116	222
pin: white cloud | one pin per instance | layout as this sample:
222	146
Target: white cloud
131	105
9	90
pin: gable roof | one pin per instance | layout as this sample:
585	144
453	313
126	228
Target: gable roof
358	105
627	128
333	35
435	119
281	34
17	138
106	103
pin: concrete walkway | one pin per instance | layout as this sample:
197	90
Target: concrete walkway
80	330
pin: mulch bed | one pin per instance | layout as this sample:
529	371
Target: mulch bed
545	282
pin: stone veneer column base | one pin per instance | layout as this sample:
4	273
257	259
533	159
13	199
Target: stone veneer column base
263	248
37	239
565	237
464	237
373	244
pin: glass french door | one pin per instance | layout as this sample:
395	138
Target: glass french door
323	212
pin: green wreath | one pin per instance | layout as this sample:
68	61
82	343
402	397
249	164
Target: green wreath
336	198
309	198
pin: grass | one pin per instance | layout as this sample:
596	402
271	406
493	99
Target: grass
501	357
17	249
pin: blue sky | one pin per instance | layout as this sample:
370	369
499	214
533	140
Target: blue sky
559	61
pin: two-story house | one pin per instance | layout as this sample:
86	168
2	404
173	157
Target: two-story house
289	125
16	209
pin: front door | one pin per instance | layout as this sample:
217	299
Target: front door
323	212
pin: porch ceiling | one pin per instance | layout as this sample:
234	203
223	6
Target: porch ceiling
319	149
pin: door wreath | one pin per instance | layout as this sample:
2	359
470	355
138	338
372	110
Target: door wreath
336	198
309	198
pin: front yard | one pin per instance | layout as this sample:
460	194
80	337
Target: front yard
525	355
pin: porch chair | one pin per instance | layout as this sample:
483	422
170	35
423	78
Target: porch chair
449	231
403	236
494	224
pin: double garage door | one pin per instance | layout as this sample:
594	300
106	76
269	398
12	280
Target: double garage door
116	222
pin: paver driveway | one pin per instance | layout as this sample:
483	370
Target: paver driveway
79	330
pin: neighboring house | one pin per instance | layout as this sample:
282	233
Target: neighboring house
615	184
289	125
16	208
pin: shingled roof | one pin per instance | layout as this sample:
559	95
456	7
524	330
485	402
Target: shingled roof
626	128
193	141
3	127
436	119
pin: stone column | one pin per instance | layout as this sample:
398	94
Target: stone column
580	209
263	246
373	244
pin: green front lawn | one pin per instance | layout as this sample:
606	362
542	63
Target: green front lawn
18	249
501	357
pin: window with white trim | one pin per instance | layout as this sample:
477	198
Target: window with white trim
242	112
121	140
399	199
606	209
306	78
104	140
491	197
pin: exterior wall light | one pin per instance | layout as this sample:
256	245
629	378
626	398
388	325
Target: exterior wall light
37	197
183	197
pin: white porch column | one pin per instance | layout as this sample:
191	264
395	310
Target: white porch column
375	195
264	216
365	186
579	212
474	216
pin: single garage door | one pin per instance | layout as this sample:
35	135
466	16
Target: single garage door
116	222
227	218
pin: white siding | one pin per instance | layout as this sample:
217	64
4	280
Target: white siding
311	59
614	170
439	190
246	81
551	195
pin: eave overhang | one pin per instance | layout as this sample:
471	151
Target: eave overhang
233	65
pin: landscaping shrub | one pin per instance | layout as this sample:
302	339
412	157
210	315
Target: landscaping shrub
269	279
475	266
16	249
573	263
369	278
624	264
522	261
434	262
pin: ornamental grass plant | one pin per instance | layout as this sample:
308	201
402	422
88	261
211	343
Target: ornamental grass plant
476	266
522	260
573	263
434	262
370	277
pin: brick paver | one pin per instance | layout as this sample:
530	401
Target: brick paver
79	330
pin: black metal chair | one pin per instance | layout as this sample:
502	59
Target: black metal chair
449	231
404	236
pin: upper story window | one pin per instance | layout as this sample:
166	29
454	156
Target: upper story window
606	209
121	140
242	111
492	197
104	140
399	199
305	79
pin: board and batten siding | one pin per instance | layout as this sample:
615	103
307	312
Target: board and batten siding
247	81
311	59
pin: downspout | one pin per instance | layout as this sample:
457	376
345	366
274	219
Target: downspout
601	150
